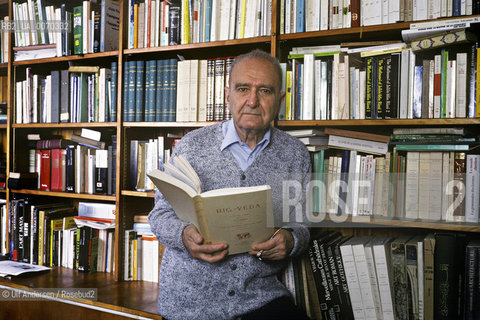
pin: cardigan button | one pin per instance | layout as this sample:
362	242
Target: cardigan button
243	176
233	267
231	293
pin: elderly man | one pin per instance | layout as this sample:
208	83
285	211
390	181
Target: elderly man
201	281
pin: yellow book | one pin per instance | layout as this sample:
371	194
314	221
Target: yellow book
186	22
288	96
135	256
135	26
242	19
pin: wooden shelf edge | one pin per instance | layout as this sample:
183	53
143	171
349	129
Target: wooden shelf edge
213	44
378	122
187	124
140	194
67	195
64	125
372	221
85	302
67	58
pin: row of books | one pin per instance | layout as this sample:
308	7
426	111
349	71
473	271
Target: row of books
77	94
431	276
145	156
162	23
422	177
171	90
143	252
382	82
54	235
314	15
4	40
47	30
78	165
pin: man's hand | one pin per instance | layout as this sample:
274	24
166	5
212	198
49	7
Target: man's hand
193	241
277	248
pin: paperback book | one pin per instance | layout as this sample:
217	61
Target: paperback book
238	216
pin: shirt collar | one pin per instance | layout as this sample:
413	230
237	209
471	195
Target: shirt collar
230	135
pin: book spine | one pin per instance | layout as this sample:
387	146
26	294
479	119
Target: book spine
139	90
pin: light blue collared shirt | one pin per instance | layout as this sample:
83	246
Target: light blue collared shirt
240	150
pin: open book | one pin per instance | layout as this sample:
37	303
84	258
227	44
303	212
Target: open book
237	216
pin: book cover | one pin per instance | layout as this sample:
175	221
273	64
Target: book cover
237	216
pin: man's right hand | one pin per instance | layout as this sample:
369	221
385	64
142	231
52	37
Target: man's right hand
193	241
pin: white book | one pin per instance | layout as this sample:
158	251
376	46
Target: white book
193	91
435	193
318	90
373	278
404	84
381	252
461	86
394	11
86	26
352	166
451	88
366	288
232	20
374	147
424	185
58	17
19	102
324	15
288	13
353	283
362	83
420	275
183	80
202	90
310	15
215	20
431	89
445	181
308	87
48	101
472	187
250	19
412	185
411	76
224	25
421	9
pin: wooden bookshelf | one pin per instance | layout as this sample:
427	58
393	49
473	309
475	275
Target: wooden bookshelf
127	298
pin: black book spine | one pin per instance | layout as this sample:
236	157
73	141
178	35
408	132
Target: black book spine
445	273
471	280
35	226
26	231
70	169
174	25
20	231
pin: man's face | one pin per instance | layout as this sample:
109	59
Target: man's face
254	96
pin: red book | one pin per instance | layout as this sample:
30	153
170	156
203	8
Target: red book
57	170
45	156
355	13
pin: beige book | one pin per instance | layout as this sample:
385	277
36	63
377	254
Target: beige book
237	216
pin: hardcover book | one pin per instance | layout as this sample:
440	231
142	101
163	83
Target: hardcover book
237	216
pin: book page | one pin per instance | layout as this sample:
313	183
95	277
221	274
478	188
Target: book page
178	194
183	165
178	174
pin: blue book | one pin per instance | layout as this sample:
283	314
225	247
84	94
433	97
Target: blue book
151	92
208	19
125	91
171	89
417	92
139	90
132	67
113	92
457	11
300	16
159	90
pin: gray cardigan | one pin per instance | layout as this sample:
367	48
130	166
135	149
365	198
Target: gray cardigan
193	289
